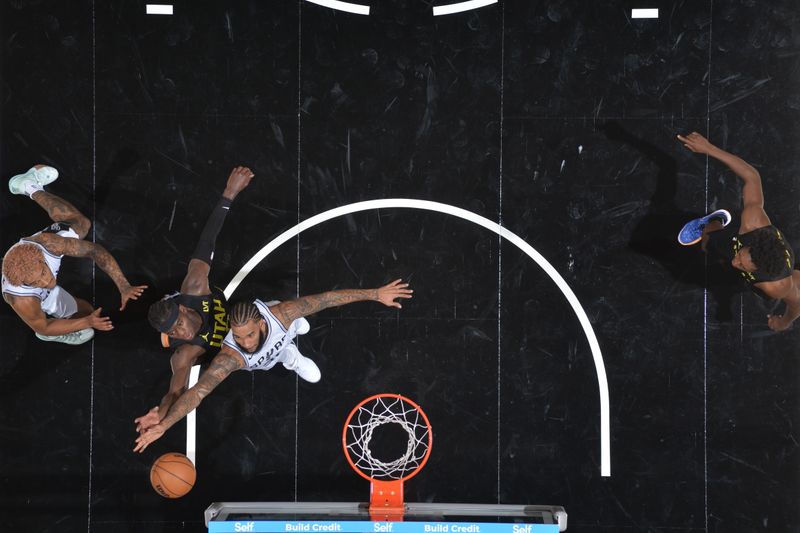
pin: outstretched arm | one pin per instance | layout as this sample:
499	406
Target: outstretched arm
196	280
221	367
788	290
81	248
181	362
30	311
289	311
753	214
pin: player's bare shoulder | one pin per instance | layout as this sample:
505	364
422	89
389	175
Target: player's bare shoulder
777	289
185	355
42	238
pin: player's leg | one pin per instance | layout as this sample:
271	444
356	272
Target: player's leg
32	184
711	227
84	308
61	304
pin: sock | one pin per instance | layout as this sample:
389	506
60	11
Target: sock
32	187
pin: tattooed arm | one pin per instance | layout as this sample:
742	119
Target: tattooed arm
289	311
221	367
182	360
80	248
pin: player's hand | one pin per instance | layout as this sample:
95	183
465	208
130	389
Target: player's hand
130	293
696	143
148	437
389	293
143	423
239	179
96	321
777	323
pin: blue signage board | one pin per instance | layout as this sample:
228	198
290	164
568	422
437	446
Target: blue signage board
348	526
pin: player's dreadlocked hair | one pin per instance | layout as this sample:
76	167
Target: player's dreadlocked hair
19	259
243	312
768	252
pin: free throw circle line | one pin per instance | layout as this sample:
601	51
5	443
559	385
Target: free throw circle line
544	264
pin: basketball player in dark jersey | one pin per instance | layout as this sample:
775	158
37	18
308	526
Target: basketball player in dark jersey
195	320
261	335
758	250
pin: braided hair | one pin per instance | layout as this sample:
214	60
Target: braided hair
243	312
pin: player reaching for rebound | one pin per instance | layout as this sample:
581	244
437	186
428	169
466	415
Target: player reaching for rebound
194	320
260	337
758	250
31	266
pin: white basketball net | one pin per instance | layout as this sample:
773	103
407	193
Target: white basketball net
380	411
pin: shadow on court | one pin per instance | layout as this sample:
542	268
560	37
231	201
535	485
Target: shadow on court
656	233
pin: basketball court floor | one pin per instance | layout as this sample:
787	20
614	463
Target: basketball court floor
526	154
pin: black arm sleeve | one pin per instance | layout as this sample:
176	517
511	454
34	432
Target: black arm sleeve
205	247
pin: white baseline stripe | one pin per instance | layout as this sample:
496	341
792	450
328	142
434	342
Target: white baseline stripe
158	9
449	9
644	13
602	380
358	9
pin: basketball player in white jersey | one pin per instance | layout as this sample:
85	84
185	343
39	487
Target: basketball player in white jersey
31	266
261	336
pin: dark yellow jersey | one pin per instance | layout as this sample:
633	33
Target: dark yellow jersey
213	311
726	243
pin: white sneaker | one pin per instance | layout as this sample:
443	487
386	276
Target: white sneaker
302	326
33	180
305	367
76	337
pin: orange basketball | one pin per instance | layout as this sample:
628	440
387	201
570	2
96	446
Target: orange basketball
172	475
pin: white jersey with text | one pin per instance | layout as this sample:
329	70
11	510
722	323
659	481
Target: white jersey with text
277	339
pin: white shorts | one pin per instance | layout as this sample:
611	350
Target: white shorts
59	303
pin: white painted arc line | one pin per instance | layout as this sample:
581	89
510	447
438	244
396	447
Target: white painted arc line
357	9
460	7
388	203
191	421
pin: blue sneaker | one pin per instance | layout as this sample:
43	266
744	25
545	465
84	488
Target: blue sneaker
692	231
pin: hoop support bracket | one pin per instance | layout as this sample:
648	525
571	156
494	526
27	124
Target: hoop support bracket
386	501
